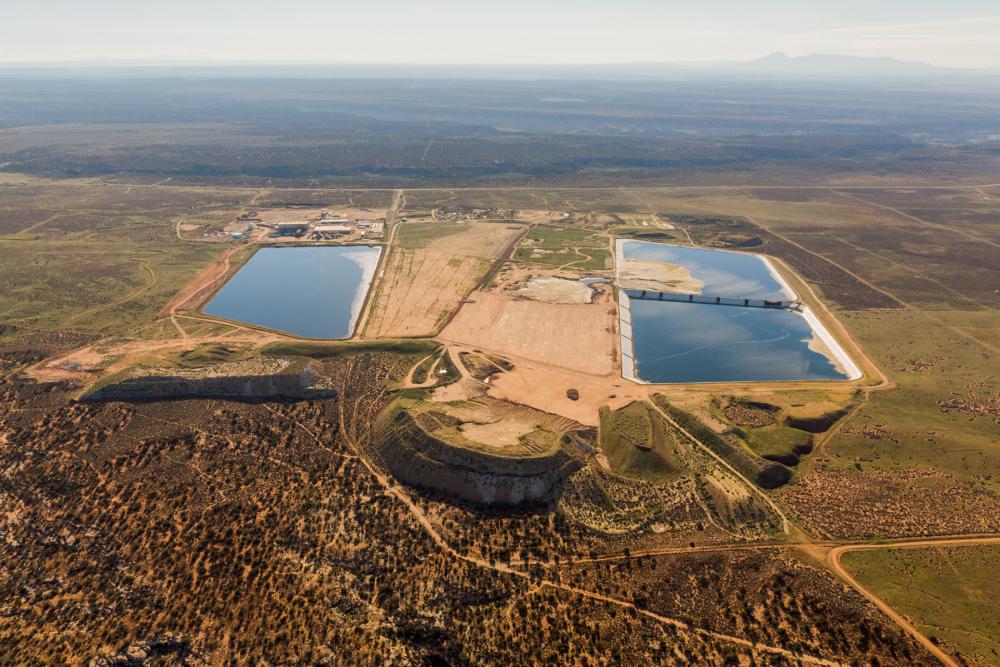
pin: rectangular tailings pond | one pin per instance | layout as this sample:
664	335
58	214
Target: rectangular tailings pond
314	292
717	316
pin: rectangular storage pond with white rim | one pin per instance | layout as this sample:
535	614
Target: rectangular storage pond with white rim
313	292
719	317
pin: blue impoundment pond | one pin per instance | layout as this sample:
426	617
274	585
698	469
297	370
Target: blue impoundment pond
673	341
723	273
313	292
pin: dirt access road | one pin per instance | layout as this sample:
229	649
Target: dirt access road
827	553
398	491
149	284
832	560
192	293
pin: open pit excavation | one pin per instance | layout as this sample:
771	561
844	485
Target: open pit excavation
732	318
426	363
486	452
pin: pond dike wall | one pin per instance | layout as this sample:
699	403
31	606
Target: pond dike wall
293	382
419	459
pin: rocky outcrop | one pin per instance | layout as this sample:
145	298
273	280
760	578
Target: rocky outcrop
164	649
419	459
276	379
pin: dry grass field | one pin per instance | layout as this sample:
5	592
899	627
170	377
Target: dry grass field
952	591
431	267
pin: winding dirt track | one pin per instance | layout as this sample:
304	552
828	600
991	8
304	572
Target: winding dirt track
785	526
906	305
150	283
833	562
913	218
398	492
829	554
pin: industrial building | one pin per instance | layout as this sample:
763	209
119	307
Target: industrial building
332	231
292	228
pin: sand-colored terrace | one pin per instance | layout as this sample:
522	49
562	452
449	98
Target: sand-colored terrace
579	337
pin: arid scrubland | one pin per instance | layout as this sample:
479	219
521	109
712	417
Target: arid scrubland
253	527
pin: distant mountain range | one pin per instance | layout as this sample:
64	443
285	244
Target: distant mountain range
837	66
777	66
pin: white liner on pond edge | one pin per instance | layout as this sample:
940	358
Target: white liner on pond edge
625	320
853	372
368	263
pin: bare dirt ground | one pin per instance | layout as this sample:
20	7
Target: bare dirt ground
203	283
90	363
544	388
421	287
498	426
540	216
579	337
555	290
512	277
662	276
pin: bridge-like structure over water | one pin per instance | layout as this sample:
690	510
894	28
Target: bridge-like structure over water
743	302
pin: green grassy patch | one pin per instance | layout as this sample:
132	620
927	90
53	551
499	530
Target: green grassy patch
950	593
451	374
564	247
211	353
780	443
413	235
423	368
932	368
637	443
768	474
111	287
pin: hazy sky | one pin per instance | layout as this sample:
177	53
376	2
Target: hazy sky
962	33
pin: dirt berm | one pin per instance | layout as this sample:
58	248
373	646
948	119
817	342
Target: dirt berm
766	474
279	379
419	459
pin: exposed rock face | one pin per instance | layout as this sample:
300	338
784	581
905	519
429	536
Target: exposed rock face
422	460
164	649
275	379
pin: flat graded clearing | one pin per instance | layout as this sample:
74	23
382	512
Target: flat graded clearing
430	269
491	426
574	336
544	388
555	290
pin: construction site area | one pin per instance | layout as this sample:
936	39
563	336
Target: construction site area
500	382
294	224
